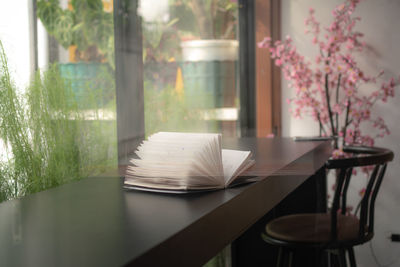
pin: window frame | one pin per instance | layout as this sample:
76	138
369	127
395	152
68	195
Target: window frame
268	76
259	79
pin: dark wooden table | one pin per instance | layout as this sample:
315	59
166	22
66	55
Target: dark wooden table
95	222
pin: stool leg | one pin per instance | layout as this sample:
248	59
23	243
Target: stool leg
351	257
279	261
333	258
337	259
290	258
285	257
329	258
342	258
322	258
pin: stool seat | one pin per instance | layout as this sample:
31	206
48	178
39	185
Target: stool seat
312	228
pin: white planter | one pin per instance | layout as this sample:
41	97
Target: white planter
210	50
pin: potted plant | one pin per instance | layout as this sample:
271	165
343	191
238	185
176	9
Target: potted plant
331	90
160	45
214	19
86	28
209	51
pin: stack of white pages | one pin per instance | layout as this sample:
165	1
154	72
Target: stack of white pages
185	161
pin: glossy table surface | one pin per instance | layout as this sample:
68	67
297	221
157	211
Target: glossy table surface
95	222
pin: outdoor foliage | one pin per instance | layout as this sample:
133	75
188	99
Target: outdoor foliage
85	24
165	110
160	51
48	142
333	90
160	41
207	19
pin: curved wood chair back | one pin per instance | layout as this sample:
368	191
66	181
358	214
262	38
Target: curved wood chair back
362	156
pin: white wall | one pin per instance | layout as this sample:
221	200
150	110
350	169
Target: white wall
14	34
380	22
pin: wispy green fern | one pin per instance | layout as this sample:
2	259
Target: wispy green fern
47	138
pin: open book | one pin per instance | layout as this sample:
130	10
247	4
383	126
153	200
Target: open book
185	161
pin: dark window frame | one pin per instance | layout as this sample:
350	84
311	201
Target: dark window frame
268	76
247	114
128	78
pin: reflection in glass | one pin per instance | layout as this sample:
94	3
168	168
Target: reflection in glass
190	57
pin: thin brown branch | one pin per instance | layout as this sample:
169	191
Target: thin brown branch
337	102
321	126
329	104
346	123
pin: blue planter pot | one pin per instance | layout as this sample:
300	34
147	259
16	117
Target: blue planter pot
209	72
90	88
209	84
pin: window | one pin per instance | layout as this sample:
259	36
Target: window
192	70
126	69
190	58
58	120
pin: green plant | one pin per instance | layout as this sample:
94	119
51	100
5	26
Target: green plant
211	19
47	138
165	110
160	42
160	49
14	132
85	25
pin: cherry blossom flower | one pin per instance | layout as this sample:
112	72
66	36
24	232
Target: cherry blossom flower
330	88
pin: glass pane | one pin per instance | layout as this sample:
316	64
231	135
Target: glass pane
60	124
190	55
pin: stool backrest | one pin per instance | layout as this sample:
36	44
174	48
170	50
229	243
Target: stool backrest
360	157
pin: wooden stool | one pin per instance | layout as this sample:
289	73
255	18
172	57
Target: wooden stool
335	232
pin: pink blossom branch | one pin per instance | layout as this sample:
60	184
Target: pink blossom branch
336	71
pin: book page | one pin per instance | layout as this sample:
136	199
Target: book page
235	162
178	160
